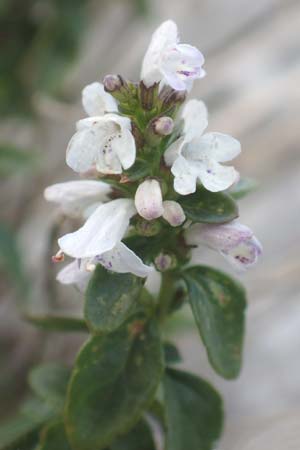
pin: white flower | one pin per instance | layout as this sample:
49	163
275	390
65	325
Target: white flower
96	101
234	241
105	142
74	273
176	65
98	241
120	259
76	198
101	232
101	141
197	157
150	205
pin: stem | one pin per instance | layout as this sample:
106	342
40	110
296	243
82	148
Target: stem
165	295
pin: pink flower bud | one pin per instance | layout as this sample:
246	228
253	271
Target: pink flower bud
234	241
148	200
163	126
164	262
173	213
112	83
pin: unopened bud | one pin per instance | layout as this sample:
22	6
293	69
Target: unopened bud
148	200
165	262
148	229
173	213
163	126
112	83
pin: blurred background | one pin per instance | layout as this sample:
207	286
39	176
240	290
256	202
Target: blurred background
50	49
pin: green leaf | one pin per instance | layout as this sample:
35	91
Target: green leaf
114	379
172	355
218	303
110	299
139	170
243	187
13	159
140	437
193	411
49	382
18	433
209	207
53	437
58	323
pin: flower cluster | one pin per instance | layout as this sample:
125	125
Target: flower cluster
145	154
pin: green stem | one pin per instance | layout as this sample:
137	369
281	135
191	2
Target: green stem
165	295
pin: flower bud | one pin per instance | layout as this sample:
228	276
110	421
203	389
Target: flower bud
112	83
148	200
145	228
233	240
165	262
163	126
173	213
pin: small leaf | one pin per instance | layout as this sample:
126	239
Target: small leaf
53	437
110	299
114	379
172	355
218	303
58	323
49	382
193	411
140	437
243	187
209	207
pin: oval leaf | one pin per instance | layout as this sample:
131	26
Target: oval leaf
209	207
114	379
110	299
218	304
194	412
